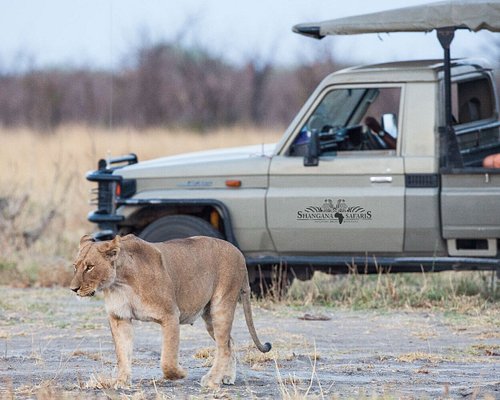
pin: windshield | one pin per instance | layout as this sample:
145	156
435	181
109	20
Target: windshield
353	119
341	107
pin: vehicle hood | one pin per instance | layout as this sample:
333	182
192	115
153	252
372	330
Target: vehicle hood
244	161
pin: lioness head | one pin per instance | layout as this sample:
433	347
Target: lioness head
95	265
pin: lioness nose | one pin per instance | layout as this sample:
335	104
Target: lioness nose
75	289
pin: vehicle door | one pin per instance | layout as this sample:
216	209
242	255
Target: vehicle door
352	201
470	210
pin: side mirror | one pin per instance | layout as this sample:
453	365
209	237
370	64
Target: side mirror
390	124
311	159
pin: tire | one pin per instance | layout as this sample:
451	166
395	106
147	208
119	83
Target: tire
178	227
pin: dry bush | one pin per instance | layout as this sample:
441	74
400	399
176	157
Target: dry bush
161	83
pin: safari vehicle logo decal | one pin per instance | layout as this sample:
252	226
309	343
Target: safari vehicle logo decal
330	212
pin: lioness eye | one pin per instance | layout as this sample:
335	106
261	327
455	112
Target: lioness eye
89	268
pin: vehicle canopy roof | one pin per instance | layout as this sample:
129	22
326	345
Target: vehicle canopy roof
445	17
458	14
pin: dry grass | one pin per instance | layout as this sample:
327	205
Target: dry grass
492	350
51	167
420	356
43	172
99	381
293	388
207	354
466	292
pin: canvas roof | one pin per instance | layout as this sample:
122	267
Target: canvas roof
460	14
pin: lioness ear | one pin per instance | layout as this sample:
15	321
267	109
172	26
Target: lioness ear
85	239
112	248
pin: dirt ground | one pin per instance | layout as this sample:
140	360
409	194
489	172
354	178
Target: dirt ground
55	345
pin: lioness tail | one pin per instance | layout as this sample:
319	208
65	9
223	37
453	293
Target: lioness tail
245	300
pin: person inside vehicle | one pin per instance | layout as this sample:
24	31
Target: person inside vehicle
388	142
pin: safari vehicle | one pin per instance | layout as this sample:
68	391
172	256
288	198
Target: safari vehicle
384	165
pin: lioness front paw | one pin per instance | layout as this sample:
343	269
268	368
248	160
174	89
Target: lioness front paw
173	374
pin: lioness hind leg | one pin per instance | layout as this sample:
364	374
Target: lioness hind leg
208	322
220	323
229	377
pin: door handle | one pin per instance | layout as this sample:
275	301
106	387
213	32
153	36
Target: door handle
381	179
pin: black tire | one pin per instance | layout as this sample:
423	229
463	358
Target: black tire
178	227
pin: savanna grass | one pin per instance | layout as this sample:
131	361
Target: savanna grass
43	186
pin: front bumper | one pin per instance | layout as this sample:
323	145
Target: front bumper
111	188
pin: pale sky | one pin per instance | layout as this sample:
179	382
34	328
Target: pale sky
100	33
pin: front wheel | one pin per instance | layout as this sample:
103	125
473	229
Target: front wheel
178	227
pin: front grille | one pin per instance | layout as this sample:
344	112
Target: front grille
104	195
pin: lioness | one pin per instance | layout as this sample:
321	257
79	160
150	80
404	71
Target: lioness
169	283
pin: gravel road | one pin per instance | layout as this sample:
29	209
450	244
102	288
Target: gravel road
53	344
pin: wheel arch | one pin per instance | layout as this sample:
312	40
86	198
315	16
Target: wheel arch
148	210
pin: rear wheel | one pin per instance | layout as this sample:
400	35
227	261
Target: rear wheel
177	227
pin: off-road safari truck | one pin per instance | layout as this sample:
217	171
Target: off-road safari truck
383	166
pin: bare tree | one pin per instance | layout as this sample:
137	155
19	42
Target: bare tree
161	84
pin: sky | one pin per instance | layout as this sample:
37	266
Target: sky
101	33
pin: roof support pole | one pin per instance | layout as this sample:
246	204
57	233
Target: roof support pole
445	37
449	150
